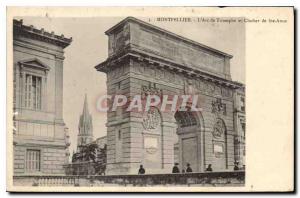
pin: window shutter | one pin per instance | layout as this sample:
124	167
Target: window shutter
38	93
33	158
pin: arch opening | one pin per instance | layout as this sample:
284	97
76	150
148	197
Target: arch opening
189	147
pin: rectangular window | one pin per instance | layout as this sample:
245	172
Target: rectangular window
33	92
243	127
33	160
118	85
242	104
14	88
119	145
119	135
243	131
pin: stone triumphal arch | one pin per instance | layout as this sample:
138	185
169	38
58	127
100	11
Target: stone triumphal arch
147	60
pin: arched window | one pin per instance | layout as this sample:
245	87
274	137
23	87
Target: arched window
185	118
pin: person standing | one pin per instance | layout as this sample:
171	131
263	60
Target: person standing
236	166
209	168
189	169
175	168
141	170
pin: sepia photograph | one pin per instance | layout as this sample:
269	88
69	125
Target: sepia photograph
129	101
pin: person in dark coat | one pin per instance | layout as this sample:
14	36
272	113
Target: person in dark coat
175	168
236	166
209	168
141	170
189	169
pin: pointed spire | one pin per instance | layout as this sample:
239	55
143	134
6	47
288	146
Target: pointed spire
85	126
85	122
85	111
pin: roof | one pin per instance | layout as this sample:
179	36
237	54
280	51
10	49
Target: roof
165	32
40	34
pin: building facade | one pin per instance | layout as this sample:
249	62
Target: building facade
147	60
41	138
240	126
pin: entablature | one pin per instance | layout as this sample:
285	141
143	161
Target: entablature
126	55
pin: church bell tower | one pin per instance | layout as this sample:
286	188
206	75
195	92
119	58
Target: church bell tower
85	126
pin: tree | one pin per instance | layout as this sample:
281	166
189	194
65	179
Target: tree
93	157
100	165
89	152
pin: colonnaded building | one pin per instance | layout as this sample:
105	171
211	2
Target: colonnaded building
40	138
147	60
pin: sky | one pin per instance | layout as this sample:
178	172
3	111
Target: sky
90	47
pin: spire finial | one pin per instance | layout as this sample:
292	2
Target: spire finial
85	106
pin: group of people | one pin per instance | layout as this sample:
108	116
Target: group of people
188	168
175	169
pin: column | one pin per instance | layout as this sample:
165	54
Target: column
59	89
168	133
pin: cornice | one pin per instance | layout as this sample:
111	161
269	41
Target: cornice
153	60
164	32
29	31
43	49
23	140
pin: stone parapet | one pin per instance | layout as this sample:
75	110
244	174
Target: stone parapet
212	179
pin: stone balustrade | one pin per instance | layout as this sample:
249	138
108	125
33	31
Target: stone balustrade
56	181
50	180
236	178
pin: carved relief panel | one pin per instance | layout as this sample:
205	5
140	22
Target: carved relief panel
151	119
151	89
210	88
218	108
143	68
219	138
219	129
152	138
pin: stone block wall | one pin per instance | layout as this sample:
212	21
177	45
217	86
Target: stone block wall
127	153
144	57
41	129
52	160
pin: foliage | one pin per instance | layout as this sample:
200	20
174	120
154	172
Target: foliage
94	156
